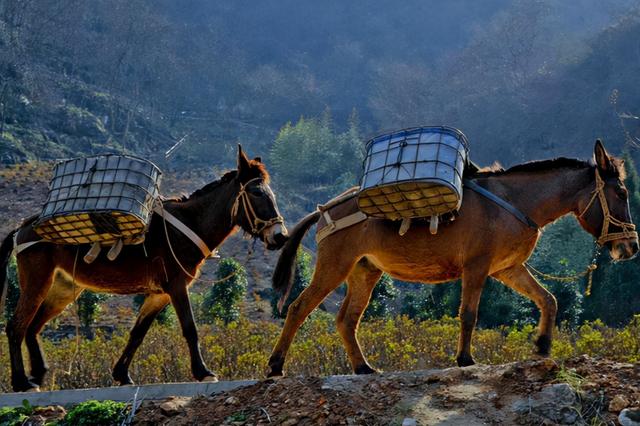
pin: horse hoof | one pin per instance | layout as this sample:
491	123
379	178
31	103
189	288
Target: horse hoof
543	343
26	386
275	373
365	369
465	361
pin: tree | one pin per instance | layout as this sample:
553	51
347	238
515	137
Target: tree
383	295
301	280
222	301
432	301
13	289
88	309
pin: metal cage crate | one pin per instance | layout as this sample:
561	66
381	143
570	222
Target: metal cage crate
414	172
101	199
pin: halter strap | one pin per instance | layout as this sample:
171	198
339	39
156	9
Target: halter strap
257	225
628	229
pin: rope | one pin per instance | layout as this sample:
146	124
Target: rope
567	278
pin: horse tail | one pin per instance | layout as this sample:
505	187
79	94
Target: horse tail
286	266
6	248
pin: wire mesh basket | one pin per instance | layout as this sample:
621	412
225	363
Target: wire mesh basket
101	199
414	172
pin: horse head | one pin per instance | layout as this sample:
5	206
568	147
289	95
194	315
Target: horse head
255	209
604	210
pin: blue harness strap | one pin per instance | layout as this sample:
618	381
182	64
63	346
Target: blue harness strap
502	203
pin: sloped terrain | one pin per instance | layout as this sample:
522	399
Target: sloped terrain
539	392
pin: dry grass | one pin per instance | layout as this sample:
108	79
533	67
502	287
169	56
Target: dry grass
240	350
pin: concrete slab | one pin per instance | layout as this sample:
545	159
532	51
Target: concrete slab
120	393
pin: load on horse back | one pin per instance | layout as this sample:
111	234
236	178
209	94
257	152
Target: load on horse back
495	232
181	235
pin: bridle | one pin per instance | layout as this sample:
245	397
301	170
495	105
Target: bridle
628	229
257	224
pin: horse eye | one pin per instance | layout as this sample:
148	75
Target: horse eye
622	193
254	190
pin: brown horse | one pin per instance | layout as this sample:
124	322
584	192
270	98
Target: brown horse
485	240
51	276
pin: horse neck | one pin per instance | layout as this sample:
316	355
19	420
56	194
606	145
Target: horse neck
209	215
547	195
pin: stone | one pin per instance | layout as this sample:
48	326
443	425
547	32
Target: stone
232	400
408	421
173	406
618	403
629	417
555	402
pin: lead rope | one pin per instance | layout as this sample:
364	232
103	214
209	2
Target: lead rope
567	278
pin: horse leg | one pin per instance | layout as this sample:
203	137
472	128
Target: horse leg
61	294
152	305
473	279
521	280
34	286
180	301
360	283
327	277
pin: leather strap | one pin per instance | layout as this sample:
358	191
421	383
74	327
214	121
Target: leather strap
502	203
336	225
158	208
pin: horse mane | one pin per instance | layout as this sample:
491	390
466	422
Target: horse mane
256	169
534	166
496	169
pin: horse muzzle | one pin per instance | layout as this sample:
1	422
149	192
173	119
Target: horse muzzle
624	249
275	236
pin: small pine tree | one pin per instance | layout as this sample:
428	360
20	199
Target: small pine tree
432	302
223	299
383	295
13	289
89	308
301	280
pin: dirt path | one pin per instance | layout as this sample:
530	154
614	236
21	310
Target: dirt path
583	391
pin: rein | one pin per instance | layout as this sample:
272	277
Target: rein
628	229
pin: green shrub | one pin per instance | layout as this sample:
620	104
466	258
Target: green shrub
96	413
15	416
222	301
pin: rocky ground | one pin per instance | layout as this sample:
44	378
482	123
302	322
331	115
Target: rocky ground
582	391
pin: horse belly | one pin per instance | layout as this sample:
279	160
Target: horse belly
416	269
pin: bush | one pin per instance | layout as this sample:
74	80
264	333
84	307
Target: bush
96	413
15	416
222	301
240	349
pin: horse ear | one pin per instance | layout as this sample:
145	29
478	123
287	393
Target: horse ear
602	158
243	161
